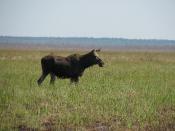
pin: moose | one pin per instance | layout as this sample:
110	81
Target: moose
71	67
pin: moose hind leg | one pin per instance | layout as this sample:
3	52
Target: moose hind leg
41	79
74	80
52	78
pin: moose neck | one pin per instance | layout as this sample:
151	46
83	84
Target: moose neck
86	61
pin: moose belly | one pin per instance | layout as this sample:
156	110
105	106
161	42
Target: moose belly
65	72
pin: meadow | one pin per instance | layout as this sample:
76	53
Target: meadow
133	91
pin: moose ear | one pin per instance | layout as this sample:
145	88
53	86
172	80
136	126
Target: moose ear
93	50
98	50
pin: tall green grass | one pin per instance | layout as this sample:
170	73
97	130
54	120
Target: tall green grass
132	90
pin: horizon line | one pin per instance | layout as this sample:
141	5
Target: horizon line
90	37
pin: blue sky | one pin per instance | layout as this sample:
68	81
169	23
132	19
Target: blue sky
142	19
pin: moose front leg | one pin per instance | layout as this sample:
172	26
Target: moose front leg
74	80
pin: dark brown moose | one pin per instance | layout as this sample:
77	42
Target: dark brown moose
71	67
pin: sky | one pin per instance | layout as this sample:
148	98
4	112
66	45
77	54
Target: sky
135	19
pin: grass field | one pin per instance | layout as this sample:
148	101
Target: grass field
134	91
